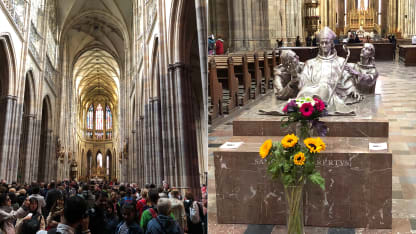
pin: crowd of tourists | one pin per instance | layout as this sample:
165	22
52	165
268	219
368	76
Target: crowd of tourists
99	208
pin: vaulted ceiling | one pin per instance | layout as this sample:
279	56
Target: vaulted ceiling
95	34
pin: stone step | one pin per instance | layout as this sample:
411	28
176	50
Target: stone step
358	185
338	127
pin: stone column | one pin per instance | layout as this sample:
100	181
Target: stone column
179	79
8	104
201	11
27	145
170	158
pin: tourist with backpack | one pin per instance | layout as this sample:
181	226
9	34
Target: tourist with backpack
194	213
178	210
33	222
151	211
163	223
129	225
142	203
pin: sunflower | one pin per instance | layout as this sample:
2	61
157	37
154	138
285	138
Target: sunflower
299	159
289	140
315	145
265	148
321	143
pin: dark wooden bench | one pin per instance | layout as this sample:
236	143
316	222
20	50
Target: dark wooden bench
244	78
215	93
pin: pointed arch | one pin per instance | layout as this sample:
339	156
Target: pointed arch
45	154
8	65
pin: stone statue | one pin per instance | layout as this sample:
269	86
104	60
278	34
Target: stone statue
364	72
285	83
60	151
323	77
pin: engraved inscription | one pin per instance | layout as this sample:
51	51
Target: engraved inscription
332	163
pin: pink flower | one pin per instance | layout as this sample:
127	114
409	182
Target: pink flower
306	109
319	104
285	108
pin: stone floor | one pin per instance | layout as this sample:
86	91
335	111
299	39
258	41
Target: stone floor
396	88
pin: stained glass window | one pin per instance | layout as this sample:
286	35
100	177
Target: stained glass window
108	165
90	117
99	160
99	116
109	118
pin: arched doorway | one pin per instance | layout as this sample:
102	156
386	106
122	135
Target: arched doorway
45	141
25	136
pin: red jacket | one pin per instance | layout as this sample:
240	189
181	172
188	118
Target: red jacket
219	46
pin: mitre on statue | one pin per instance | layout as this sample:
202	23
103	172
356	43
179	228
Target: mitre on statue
327	33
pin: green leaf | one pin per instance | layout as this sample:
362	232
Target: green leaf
316	178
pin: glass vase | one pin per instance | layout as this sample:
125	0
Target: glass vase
303	130
294	209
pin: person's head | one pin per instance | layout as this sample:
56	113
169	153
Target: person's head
33	207
289	58
5	200
175	193
165	185
75	210
144	193
189	196
128	212
110	208
52	185
368	51
163	206
219	36
35	189
101	199
59	202
153	196
326	41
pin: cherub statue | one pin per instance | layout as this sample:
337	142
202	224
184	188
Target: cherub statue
364	72
285	83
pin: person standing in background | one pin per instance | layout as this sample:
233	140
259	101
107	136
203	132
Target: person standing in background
219	45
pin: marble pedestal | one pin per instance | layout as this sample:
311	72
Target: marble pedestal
358	186
358	180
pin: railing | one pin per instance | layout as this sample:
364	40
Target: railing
12	8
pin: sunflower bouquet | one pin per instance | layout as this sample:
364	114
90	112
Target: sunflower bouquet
306	111
292	162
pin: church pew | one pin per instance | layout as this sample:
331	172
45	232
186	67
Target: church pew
215	92
244	78
267	71
272	62
407	54
254	69
225	75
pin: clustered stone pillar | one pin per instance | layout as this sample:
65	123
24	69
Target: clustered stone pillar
285	21
9	138
248	22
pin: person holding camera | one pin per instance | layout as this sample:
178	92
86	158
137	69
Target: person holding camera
75	216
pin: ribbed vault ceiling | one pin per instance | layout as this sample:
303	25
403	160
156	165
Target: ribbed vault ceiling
97	77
